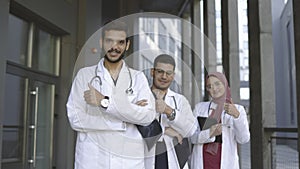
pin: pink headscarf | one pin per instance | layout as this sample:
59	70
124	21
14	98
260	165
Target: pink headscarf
212	148
226	98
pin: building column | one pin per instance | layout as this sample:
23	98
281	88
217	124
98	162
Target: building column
230	46
186	59
198	63
261	81
4	12
130	7
210	53
296	15
89	20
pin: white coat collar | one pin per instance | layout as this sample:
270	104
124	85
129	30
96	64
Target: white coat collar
102	70
170	93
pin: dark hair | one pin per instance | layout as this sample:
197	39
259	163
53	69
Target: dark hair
164	58
115	25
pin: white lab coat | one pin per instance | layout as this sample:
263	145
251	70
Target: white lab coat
184	123
108	139
238	132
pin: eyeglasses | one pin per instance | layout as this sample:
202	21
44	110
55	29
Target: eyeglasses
162	72
215	85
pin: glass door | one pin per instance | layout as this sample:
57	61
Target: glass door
40	125
14	130
28	124
32	71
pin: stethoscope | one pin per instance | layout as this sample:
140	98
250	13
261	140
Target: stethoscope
128	91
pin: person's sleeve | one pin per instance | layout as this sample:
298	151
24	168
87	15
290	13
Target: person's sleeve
124	109
184	123
83	117
241	126
200	136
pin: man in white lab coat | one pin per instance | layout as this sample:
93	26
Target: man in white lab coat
106	101
176	116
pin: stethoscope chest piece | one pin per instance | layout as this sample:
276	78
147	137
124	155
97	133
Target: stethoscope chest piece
129	91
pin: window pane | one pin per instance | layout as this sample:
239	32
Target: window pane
44	52
244	93
13	118
17	40
162	36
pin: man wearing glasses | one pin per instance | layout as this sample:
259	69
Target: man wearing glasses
176	117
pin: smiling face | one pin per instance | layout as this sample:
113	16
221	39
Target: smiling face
215	87
114	45
163	75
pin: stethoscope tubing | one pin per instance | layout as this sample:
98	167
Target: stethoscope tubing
129	90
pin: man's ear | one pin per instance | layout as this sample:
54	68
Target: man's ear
127	45
100	42
152	72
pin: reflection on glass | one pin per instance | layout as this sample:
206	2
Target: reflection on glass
13	124
45	112
32	47
17	39
44	52
28	123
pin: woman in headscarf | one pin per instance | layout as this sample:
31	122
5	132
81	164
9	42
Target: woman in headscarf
222	126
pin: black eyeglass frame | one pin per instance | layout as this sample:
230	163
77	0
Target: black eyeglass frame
162	72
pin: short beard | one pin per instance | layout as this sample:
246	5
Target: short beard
115	61
160	88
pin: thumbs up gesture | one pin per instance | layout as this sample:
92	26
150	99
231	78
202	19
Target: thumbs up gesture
92	96
231	110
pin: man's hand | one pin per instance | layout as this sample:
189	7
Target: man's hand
92	96
160	105
158	94
142	102
173	133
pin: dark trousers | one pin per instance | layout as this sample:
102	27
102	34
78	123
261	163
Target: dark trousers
161	156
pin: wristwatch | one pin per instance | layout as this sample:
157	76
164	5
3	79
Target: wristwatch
171	117
104	102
